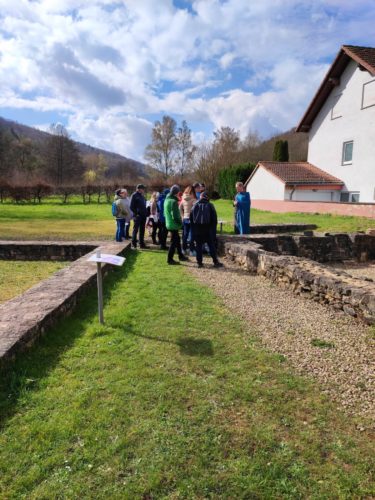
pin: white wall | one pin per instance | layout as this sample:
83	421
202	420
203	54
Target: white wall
327	135
310	195
265	186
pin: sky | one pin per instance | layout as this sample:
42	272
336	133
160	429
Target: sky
108	69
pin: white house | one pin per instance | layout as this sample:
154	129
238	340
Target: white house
341	124
297	181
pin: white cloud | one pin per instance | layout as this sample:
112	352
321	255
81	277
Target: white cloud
109	64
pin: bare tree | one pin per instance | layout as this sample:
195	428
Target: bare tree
184	150
64	163
161	152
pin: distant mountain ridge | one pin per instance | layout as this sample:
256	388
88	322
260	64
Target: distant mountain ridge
40	137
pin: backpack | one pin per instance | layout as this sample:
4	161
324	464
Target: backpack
114	209
201	213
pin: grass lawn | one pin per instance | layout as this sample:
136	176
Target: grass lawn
18	276
76	221
171	398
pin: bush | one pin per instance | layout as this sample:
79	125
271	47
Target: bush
228	177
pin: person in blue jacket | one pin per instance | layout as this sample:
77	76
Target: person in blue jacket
242	204
163	231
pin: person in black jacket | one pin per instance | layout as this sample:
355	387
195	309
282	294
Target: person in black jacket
138	207
203	218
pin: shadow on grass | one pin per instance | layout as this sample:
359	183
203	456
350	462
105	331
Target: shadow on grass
32	365
189	346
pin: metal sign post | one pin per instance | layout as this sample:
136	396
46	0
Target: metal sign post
106	258
100	291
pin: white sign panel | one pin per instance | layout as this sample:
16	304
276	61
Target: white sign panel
107	258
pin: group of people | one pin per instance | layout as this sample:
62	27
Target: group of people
172	211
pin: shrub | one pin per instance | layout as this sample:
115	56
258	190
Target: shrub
229	176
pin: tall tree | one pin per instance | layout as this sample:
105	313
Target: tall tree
161	152
226	145
281	151
64	163
184	149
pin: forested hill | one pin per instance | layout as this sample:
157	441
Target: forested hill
39	137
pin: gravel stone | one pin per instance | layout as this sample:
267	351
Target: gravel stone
327	345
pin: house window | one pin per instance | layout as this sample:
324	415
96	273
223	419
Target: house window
349	197
347	153
336	111
368	94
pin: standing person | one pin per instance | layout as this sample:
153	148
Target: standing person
130	215
173	223
121	211
204	220
197	189
138	207
163	231
153	218
242	204
188	200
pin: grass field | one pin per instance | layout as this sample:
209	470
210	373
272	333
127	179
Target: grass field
53	220
171	398
18	276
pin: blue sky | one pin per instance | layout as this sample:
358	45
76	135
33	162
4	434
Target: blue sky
108	69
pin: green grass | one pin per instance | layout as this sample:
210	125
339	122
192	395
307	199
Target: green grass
171	398
53	220
18	276
323	344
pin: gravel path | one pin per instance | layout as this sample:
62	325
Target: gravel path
330	347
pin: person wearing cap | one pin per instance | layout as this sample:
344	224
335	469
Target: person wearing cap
173	223
203	218
138	207
122	213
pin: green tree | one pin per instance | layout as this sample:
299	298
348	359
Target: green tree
281	151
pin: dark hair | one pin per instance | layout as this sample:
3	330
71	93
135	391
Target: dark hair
118	192
196	185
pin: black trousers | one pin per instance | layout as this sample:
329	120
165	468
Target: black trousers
163	234
200	240
175	245
139	225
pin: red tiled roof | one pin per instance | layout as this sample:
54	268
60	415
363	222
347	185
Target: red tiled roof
299	173
364	56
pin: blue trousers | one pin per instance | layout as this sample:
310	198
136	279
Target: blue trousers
120	233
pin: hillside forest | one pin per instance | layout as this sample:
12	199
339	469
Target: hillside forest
34	164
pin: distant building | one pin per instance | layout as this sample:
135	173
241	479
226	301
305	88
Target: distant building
340	122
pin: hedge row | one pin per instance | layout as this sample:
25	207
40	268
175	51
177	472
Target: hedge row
229	176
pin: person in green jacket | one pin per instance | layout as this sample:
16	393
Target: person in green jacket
173	223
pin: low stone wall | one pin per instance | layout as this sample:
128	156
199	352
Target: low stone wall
26	317
280	228
44	250
321	248
304	277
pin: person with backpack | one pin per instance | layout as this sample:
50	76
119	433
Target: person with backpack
163	231
203	218
120	211
130	216
173	223
138	207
